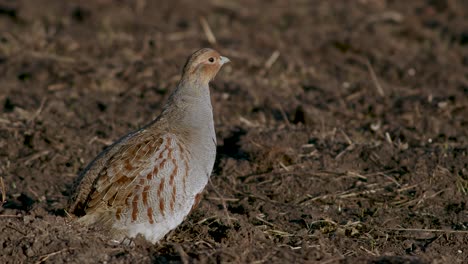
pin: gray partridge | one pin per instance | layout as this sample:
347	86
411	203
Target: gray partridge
148	181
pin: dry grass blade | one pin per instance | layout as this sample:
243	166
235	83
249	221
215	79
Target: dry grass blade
427	230
43	258
284	115
221	199
462	185
272	59
208	32
370	189
3	190
332	260
103	141
39	111
247	122
347	138
4	121
69	216
269	62
260	218
347	149
50	56
28	160
390	16
379	88
366	192
278	233
11	226
388	138
11	216
183	255
223	202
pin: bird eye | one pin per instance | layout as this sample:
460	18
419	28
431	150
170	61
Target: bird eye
211	59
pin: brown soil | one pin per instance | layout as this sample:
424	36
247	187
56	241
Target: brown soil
351	148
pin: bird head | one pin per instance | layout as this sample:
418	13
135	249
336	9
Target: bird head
203	65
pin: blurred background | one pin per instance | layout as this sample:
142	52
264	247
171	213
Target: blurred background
342	126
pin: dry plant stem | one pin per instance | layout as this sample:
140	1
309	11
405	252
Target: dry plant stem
225	199
4	121
43	258
207	30
333	260
427	230
49	56
3	189
283	114
378	87
12	216
36	156
372	189
16	229
390	16
38	111
270	61
34	193
348	139
184	257
223	202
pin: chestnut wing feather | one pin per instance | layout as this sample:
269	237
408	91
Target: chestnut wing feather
124	184
122	174
109	161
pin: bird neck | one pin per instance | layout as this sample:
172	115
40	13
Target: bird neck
189	112
191	90
190	104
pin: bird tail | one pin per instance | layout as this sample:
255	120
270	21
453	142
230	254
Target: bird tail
96	218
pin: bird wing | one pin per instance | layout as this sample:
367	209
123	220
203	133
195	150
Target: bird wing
123	173
86	181
122	185
83	183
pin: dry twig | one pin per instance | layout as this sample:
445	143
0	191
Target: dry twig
283	114
208	32
38	111
183	256
28	160
379	88
43	258
427	230
11	216
3	190
272	59
223	202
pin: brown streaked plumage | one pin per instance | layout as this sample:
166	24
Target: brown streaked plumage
149	180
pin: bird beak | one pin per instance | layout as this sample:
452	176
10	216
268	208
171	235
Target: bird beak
224	60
